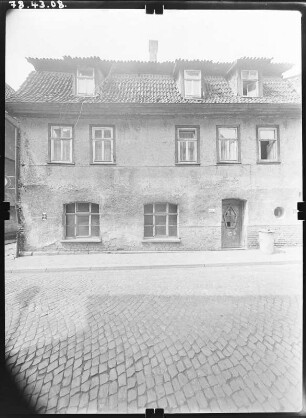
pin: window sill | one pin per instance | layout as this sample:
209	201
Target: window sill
268	162
97	239
59	163
84	96
177	240
187	164
103	163
228	162
193	97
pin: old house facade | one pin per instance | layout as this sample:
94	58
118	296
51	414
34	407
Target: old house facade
184	155
11	129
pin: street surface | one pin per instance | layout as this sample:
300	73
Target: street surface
186	339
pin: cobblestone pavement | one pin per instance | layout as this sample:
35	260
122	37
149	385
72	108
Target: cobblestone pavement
186	340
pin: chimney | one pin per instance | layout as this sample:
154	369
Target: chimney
153	47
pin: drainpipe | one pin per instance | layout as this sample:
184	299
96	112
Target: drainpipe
17	191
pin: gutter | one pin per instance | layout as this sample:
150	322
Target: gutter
156	109
17	191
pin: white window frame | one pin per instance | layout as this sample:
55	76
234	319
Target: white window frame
76	214
167	213
83	77
61	161
228	139
186	141
94	140
249	76
196	81
276	140
246	75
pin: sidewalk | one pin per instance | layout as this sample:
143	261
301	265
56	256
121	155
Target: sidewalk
152	260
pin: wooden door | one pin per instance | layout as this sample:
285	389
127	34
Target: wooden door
231	229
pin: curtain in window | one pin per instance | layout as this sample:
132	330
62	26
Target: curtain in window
56	150
193	88
66	146
228	149
86	86
228	144
271	150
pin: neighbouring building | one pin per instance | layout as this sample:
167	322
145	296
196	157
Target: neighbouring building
296	81
184	155
11	129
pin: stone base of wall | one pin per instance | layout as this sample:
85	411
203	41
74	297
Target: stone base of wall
285	235
192	239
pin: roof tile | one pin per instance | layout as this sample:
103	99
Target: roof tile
45	86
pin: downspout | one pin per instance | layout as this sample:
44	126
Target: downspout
20	231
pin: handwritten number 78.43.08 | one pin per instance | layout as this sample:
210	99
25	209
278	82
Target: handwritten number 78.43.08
37	4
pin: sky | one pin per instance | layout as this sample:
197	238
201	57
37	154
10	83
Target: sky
218	35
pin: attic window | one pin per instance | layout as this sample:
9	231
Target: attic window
85	82
249	83
192	83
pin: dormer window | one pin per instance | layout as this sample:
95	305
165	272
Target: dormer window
85	82
249	83
192	83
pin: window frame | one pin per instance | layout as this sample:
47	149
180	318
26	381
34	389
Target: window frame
50	126
277	140
75	214
192	96
92	140
78	77
219	161
167	213
197	148
250	80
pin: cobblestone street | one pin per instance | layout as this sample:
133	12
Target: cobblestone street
186	340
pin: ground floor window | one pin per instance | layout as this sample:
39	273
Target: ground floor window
82	220
160	220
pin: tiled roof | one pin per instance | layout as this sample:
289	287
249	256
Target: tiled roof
44	86
147	82
9	91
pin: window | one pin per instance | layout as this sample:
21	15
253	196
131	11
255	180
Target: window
187	145
192	82
160	220
102	144
268	144
228	144
60	138
82	220
85	82
249	83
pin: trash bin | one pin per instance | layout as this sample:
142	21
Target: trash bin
266	241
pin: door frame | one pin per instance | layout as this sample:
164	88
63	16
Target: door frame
243	236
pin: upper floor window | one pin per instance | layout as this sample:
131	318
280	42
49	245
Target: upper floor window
249	83
60	140
102	144
82	220
268	144
187	145
85	82
160	220
192	83
227	144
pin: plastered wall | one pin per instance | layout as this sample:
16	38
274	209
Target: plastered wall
145	172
